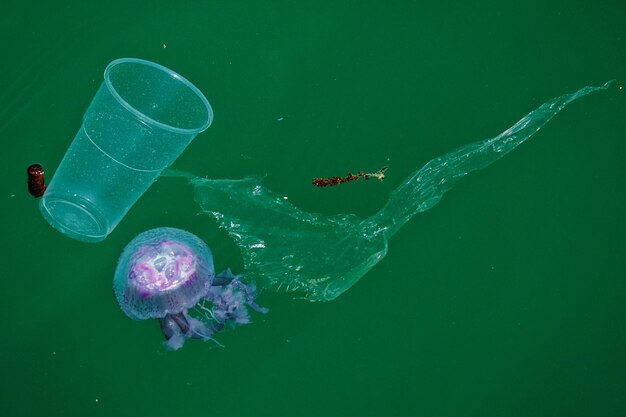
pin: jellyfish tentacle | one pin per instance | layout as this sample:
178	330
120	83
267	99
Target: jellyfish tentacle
205	312
250	291
181	322
230	301
174	337
178	326
200	330
221	281
168	327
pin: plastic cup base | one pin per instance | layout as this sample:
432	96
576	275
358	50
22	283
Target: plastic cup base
76	218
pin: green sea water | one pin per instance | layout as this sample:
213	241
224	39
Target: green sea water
506	299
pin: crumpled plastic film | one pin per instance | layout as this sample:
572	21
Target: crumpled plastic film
290	250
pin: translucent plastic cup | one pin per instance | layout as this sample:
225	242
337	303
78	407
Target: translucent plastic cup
141	119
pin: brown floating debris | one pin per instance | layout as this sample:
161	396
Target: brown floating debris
331	181
36	182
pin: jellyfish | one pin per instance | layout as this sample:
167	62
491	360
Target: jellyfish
287	249
167	274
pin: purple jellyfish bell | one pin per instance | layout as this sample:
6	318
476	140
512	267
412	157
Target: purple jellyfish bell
167	274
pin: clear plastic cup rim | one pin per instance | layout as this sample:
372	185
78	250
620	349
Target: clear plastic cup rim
148	119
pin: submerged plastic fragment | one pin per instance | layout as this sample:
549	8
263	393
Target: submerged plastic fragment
287	249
